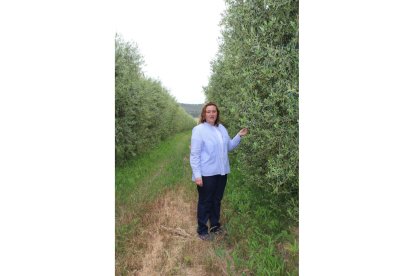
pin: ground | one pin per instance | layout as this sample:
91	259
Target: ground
168	243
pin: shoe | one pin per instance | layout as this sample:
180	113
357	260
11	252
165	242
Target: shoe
218	230
205	237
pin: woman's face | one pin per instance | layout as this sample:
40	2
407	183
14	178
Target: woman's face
211	114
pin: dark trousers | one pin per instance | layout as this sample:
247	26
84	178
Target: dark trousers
209	202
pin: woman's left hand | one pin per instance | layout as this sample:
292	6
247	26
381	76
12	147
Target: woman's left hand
243	132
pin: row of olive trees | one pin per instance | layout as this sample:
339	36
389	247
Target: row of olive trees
255	80
145	113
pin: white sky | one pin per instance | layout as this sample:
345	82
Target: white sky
178	40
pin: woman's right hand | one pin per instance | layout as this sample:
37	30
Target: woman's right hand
199	182
243	132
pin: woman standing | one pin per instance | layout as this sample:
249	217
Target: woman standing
210	144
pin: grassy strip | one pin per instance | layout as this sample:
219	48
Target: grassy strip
261	242
140	180
169	155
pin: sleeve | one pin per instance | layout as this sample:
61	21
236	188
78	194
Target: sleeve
195	155
233	143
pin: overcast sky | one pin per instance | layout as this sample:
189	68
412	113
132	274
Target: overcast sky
178	40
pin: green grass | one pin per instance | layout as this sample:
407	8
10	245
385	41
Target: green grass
144	173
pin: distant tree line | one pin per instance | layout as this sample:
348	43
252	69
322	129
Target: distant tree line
255	81
145	112
192	109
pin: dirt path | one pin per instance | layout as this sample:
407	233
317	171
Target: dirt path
169	243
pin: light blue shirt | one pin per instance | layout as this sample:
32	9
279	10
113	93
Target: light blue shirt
209	150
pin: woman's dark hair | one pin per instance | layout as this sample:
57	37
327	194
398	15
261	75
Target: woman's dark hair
203	113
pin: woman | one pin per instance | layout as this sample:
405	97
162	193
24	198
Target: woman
210	144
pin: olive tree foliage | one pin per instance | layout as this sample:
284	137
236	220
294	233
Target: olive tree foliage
255	81
145	112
